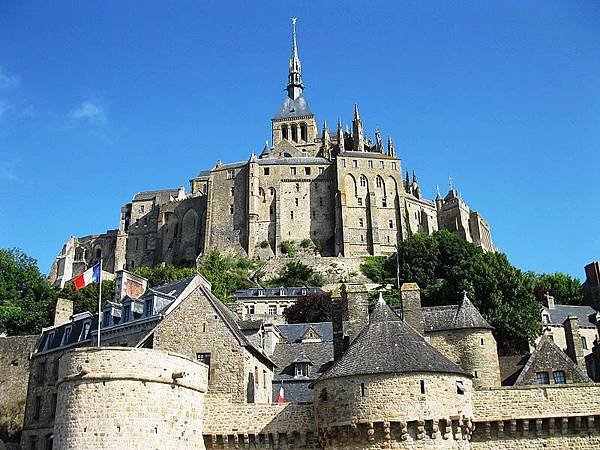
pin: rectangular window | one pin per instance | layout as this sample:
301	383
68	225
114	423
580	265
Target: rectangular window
321	170
393	166
384	202
266	171
251	309
355	163
55	369
545	318
66	336
296	201
301	370
50	339
141	208
370	164
542	378
205	359
559	377
320	201
230	174
391	223
292	171
272	310
307	170
381	165
86	331
37	407
126	313
359	201
292	215
42	372
422	383
148	306
343	163
460	387
230	209
105	319
362	389
232	191
361	222
584	343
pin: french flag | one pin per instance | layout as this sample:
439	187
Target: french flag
92	275
281	396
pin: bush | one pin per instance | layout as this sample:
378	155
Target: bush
289	248
264	244
295	273
306	243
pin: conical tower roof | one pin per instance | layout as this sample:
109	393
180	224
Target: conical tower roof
467	316
389	345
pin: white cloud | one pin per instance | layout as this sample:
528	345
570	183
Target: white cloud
8	82
89	112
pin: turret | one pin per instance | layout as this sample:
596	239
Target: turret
378	142
326	141
391	151
358	135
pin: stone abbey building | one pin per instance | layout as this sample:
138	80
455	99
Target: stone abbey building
337	187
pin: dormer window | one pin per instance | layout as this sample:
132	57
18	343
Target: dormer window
126	313
148	308
106	318
282	291
85	331
301	370
50	339
303	291
67	335
230	174
545	318
261	292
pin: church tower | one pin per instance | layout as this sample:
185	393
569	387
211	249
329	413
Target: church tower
294	122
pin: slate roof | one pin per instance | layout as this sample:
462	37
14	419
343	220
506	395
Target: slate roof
454	317
293	160
586	314
249	325
511	367
293	332
150	195
293	108
275	292
388	345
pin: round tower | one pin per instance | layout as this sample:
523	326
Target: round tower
117	398
392	389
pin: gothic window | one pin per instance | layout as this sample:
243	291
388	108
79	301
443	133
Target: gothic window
98	253
294	132
205	188
284	135
363	181
542	378
584	344
53	406
256	380
559	377
379	182
303	134
362	238
79	254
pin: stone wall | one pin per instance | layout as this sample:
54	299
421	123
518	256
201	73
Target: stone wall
115	398
473	350
14	374
334	270
279	425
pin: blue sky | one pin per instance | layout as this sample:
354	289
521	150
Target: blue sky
100	100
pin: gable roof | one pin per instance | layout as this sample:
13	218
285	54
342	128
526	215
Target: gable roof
389	345
545	347
585	314
454	317
293	332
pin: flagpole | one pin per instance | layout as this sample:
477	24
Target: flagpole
99	301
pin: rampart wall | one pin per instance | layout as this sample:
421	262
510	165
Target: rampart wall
117	398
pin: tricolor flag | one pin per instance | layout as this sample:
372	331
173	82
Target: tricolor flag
92	275
281	396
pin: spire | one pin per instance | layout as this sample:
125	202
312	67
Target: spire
390	147
340	137
407	177
326	141
357	131
414	178
438	196
295	85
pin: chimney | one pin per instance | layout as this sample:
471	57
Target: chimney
411	306
338	327
129	284
356	299
548	301
573	338
591	286
63	311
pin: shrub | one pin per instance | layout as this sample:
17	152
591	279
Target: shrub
306	243
289	248
264	244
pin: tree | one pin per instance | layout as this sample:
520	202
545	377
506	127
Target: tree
164	274
565	289
26	297
86	299
296	273
309	308
226	275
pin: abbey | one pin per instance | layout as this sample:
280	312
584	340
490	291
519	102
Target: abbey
335	187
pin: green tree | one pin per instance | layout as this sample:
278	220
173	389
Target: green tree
86	299
374	268
226	275
309	308
164	274
296	273
565	289
26	298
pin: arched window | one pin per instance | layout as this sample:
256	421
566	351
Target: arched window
303	133
379	182
363	181
284	132
98	253
294	132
